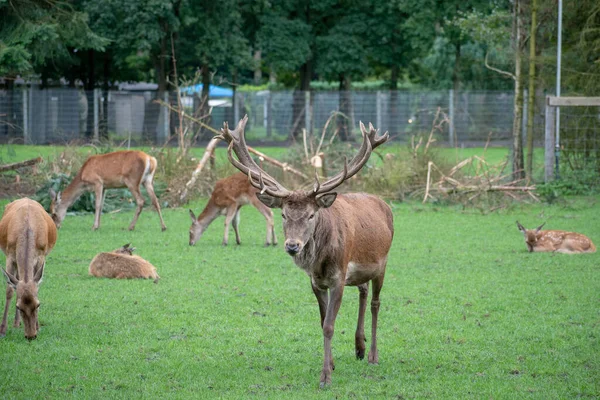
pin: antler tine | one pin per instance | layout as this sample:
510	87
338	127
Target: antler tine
317	183
245	163
371	140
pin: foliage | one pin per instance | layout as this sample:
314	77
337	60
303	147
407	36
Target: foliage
36	32
581	182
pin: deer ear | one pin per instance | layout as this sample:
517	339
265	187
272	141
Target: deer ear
539	228
326	200
10	279
270	201
192	216
39	274
521	228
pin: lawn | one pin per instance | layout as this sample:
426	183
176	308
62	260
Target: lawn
466	313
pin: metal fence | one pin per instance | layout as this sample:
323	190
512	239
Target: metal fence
62	115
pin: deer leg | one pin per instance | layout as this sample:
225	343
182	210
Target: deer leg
155	203
9	294
377	284
99	202
322	299
235	222
228	219
335	301
359	337
139	200
268	214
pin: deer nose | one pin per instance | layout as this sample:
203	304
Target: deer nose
292	247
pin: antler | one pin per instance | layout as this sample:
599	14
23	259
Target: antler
256	176
370	141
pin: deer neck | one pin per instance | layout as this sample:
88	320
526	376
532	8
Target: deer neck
208	215
322	244
72	192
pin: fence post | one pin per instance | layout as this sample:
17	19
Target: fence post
166	121
96	115
25	117
524	119
550	134
307	121
378	103
269	116
451	117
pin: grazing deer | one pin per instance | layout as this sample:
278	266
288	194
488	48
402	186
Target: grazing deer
122	264
120	169
27	234
228	196
556	241
338	240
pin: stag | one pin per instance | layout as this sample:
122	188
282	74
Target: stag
338	240
228	196
27	234
556	241
120	169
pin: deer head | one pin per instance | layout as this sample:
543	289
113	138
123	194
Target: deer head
531	235
125	249
300	208
57	210
27	300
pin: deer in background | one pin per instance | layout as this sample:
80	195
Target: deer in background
120	169
27	235
556	241
228	196
338	240
122	264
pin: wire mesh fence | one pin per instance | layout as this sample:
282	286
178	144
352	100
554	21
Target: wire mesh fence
62	115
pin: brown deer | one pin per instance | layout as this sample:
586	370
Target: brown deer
228	196
556	241
338	240
122	264
27	234
120	169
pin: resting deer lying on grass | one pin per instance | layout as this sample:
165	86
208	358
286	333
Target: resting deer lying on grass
120	169
556	241
122	264
27	234
338	240
228	196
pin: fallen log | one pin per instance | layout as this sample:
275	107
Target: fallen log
13	166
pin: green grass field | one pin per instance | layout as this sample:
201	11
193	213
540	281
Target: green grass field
466	313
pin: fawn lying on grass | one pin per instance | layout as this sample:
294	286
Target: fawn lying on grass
122	264
558	241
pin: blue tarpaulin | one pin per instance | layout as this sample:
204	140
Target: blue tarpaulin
213	91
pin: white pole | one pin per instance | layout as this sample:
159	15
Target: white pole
558	67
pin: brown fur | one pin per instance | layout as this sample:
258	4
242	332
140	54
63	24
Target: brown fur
229	195
27	235
120	169
538	240
121	264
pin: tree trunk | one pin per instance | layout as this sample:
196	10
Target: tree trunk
257	67
105	87
344	124
518	171
90	84
531	96
299	103
204	96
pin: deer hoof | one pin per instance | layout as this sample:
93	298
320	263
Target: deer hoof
360	354
164	228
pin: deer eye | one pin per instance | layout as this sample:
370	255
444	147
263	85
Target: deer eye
311	216
283	215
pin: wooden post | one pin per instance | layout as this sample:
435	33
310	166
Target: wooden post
451	117
96	115
26	138
550	134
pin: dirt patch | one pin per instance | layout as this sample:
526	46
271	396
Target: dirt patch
12	187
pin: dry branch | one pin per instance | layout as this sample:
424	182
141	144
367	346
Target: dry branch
210	148
27	163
